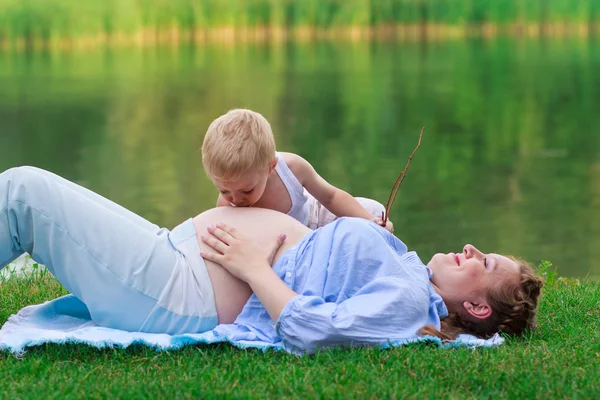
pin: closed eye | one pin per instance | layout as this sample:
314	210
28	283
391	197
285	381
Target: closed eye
248	191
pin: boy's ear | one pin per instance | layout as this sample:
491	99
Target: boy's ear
273	164
479	310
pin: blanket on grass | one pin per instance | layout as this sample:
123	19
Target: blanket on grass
66	320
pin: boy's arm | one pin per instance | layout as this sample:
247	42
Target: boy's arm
221	202
335	200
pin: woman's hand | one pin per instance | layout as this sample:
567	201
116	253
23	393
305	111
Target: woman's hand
237	253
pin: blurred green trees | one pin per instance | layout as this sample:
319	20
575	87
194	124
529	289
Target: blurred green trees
59	20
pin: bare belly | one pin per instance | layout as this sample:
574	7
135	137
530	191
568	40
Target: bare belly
264	226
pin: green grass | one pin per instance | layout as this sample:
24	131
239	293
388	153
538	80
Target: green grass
558	360
60	19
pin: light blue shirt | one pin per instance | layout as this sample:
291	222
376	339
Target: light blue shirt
357	285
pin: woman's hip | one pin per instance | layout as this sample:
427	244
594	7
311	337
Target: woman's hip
187	302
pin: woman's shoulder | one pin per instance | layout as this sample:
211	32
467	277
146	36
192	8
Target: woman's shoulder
369	231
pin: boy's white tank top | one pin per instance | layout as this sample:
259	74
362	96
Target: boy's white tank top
300	206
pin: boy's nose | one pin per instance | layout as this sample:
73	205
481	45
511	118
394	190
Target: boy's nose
238	200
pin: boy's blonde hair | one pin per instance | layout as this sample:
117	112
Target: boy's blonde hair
238	142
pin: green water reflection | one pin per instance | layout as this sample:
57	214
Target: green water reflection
510	159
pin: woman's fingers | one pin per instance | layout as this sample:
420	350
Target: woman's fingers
228	229
214	257
223	232
214	243
280	241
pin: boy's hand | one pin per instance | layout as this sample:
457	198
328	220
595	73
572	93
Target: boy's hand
388	225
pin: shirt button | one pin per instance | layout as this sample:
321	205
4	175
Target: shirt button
288	274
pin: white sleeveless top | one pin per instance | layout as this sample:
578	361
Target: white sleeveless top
300	206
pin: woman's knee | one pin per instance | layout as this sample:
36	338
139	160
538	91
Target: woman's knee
22	173
20	181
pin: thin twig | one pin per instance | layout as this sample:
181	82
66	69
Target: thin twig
398	182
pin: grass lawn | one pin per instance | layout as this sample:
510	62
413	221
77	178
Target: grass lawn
560	360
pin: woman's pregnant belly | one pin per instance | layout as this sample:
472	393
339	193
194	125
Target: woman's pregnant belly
263	226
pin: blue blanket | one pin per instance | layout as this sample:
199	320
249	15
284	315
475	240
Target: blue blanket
66	320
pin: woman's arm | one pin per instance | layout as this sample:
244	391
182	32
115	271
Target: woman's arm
271	291
251	264
384	309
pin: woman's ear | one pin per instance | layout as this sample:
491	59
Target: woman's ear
479	310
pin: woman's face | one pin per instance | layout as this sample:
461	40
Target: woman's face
469	276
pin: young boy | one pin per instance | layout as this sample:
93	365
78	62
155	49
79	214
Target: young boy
239	156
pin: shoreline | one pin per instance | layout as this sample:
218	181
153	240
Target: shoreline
232	35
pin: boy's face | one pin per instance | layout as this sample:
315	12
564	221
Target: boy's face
245	191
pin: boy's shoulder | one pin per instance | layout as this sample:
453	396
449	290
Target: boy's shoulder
298	165
293	160
288	157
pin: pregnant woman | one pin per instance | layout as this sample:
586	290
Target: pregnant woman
348	283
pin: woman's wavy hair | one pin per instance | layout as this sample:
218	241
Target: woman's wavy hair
513	310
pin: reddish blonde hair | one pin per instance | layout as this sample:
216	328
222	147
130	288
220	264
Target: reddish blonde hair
513	310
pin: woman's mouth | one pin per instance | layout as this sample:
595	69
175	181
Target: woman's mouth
456	258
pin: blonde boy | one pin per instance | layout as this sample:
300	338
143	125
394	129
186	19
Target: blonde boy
239	156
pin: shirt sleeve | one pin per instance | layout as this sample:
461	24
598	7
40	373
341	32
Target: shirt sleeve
386	309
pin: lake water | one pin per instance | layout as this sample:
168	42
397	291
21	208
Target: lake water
510	159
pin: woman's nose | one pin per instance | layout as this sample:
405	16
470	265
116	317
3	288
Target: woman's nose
471	251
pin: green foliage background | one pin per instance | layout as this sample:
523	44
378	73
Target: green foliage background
509	160
59	19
